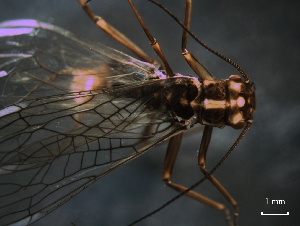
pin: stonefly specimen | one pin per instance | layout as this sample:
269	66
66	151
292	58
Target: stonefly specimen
73	110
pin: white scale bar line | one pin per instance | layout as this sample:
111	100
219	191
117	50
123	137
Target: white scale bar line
285	214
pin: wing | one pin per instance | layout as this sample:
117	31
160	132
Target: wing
72	111
38	59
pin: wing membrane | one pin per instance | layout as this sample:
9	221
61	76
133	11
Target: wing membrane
72	111
39	60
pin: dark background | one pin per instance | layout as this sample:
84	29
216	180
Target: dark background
263	37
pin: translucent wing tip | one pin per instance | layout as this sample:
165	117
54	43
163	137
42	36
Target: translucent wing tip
31	23
22	26
20	23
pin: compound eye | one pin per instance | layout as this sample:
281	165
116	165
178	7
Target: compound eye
239	125
235	78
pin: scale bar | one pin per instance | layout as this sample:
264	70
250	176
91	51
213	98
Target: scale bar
276	214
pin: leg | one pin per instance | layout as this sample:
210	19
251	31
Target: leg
169	162
153	42
101	23
197	67
187	23
204	74
202	162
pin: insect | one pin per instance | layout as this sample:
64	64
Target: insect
74	110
